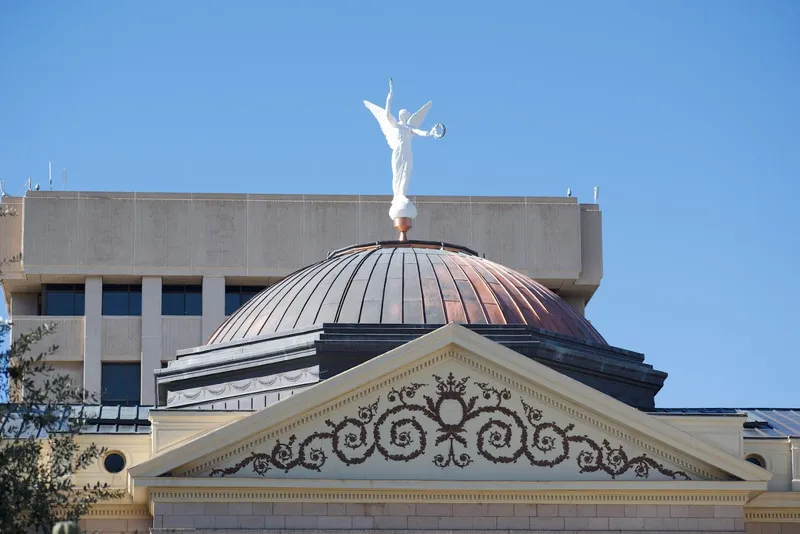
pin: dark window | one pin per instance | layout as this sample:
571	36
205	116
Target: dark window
756	459
236	296
114	462
122	299
63	299
121	383
181	300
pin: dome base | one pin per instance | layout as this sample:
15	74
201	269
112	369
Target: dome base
280	363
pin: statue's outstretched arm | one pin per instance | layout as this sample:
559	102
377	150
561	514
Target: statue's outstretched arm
422	133
388	108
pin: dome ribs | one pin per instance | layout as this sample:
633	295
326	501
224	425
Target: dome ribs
372	304
410	283
413	310
392	306
510	300
350	306
476	313
516	290
311	310
453	306
495	310
547	299
332	302
294	311
564	320
433	304
255	305
269	323
535	298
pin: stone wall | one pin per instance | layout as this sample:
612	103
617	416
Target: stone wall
450	517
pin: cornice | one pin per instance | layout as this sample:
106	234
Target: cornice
118	511
774	507
361	491
260	384
772	515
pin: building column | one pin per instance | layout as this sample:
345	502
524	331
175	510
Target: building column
795	451
93	335
577	303
213	304
151	336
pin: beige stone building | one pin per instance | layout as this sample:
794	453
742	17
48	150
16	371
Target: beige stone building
282	363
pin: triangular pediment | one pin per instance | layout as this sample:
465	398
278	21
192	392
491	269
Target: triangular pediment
452	418
450	406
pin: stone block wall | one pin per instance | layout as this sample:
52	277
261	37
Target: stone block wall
448	517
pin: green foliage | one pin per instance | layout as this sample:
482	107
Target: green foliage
39	449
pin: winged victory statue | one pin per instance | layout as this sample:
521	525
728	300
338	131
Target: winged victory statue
399	133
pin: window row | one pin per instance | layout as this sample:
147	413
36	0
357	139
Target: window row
126	299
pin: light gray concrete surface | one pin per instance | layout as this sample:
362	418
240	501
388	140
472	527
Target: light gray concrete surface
218	239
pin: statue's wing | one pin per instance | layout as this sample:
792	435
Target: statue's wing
386	126
416	119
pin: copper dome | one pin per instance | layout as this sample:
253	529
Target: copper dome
407	283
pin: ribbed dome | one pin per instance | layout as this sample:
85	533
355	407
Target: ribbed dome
407	283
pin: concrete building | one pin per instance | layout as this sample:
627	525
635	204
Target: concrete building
281	363
128	279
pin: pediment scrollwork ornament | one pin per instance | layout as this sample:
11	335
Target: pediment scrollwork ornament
457	427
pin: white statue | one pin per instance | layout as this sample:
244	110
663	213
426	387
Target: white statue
399	134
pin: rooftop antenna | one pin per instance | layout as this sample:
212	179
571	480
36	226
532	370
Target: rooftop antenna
596	193
29	183
50	174
3	189
64	176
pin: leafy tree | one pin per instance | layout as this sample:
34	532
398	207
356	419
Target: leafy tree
39	452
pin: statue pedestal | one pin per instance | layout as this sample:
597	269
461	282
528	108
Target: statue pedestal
402	207
402	225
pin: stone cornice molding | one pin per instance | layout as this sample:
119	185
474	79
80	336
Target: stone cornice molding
248	386
772	515
614	492
118	511
774	507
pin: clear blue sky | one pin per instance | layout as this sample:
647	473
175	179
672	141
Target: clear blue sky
686	113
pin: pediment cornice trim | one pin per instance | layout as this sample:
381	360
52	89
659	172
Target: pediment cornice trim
356	491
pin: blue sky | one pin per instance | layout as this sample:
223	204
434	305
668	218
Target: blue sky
685	113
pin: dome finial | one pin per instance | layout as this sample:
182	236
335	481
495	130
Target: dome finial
402	225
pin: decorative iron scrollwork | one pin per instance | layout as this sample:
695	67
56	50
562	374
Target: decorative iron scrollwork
499	433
